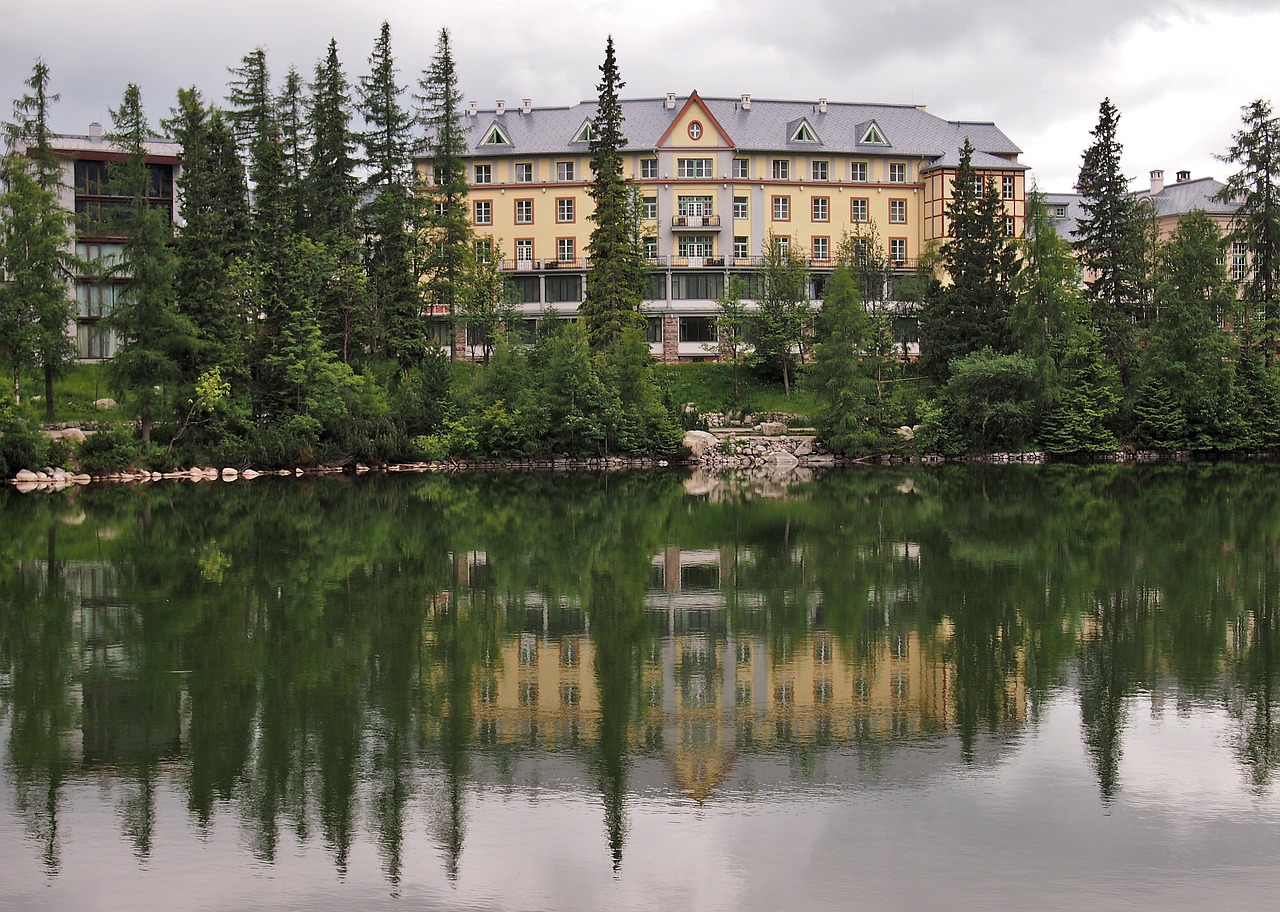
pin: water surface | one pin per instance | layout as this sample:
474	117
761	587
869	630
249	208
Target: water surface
957	688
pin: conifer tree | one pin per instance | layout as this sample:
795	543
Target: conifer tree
251	106
35	233
295	141
1110	242
214	236
446	218
612	301
152	337
780	323
1255	149
839	375
972	313
398	326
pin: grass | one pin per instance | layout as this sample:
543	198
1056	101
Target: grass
709	386
73	394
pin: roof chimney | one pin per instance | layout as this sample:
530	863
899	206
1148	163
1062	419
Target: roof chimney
471	109
1157	181
822	105
526	105
670	103
95	131
502	106
746	102
1184	176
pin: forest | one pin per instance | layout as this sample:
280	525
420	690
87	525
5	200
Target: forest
281	319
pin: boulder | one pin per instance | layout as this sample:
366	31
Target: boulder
906	433
772	428
699	442
26	476
804	447
104	404
781	461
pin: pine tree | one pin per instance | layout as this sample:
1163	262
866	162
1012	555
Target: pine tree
399	330
839	375
1110	243
35	233
295	141
214	236
153	337
612	301
781	321
1255	148
250	98
446	218
972	313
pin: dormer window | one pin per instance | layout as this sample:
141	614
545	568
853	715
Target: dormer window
872	136
804	133
495	137
586	132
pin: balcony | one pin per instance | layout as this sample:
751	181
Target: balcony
698	262
696	222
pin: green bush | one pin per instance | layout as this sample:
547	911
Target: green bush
110	451
22	445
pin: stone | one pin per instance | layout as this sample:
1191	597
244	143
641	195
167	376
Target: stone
104	404
229	474
772	428
781	461
250	474
906	433
804	447
26	476
699	442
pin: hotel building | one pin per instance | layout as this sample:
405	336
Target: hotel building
717	178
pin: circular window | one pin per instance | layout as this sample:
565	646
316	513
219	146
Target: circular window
695	129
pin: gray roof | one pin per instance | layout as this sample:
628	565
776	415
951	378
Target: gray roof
765	126
1065	224
1177	199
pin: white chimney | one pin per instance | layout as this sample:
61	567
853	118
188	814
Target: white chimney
1157	181
670	103
746	102
471	109
822	105
526	105
95	131
1184	176
502	106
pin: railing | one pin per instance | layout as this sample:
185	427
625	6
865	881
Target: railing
692	262
695	221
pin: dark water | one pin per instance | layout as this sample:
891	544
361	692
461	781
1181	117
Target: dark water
1044	688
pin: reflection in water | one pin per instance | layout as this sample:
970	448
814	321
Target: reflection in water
343	661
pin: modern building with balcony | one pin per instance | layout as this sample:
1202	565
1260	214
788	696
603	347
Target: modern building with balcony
719	179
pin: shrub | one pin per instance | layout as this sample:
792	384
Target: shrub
22	446
110	451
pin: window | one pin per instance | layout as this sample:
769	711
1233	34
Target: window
524	172
524	250
820	170
586	133
858	172
978	188
898	212
1239	261
649	207
484	212
1059	211
741	168
484	174
651	252
741	248
693	167
564	171
821	209
697	329
873	136
783	243
648	169
565	251
696	286
695	129
739	207
804	134
693	205
564	209
95	300
897	172
858	210
782	208
495	137
781	169
695	245
821	249
1006	188
484	250
1008	226
524	212
898	250
564	287
653	330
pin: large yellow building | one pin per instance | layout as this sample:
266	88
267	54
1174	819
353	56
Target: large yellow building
717	178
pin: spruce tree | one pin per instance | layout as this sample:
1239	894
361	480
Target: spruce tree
445	216
295	141
840	377
1110	242
35	232
153	338
972	313
388	141
213	239
251	106
1255	149
612	301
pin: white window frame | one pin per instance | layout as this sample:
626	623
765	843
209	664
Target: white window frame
484	212
897	172
781	207
695	167
897	212
564	171
741	207
648	169
566	210
483	174
820	209
859	172
524	172
820	169
566	250
782	169
741	169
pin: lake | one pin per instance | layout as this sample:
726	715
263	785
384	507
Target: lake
911	688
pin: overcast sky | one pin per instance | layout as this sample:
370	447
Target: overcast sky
1179	71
